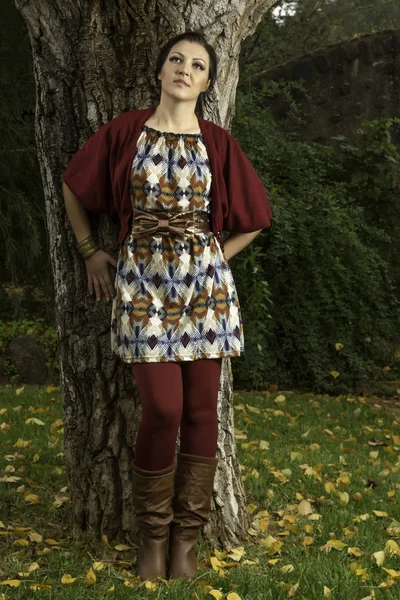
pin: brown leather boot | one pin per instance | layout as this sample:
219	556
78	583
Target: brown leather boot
191	506
152	497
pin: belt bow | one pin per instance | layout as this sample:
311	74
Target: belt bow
162	222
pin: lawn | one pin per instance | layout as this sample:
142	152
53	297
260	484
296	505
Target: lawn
322	481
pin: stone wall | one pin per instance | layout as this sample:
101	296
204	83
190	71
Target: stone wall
348	83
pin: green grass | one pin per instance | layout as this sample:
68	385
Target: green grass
321	453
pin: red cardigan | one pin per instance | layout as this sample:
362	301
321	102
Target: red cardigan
99	174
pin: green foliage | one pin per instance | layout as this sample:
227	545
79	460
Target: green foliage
329	280
370	165
24	253
255	296
285	34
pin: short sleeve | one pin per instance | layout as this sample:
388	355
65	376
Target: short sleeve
249	207
88	174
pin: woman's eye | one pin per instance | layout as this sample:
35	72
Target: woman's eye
197	64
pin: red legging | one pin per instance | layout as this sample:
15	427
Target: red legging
172	394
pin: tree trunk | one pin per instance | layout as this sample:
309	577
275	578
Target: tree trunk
93	61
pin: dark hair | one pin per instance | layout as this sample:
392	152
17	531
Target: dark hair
198	38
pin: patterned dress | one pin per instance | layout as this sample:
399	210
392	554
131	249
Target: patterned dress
175	299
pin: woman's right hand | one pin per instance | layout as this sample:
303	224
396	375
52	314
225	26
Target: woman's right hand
98	274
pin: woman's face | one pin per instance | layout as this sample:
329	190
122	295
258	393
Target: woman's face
187	61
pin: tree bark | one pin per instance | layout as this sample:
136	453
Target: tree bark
92	61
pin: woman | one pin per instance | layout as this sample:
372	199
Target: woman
176	181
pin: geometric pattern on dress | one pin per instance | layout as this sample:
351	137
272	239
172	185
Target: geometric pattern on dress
175	299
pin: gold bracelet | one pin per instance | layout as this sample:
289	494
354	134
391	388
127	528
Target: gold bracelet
90	252
87	247
82	242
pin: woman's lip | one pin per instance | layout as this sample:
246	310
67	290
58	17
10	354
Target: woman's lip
181	83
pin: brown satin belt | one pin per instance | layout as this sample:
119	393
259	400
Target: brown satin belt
182	223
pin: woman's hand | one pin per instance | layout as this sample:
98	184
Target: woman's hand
98	274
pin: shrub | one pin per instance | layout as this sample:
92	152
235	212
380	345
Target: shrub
331	287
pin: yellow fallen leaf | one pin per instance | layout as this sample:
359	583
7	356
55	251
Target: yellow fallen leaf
362	573
51	542
23	543
361	518
251	508
304	508
308	541
90	578
264	445
378	558
287	568
253	409
314	517
216	563
19	391
327	591
264	524
67	578
335	544
215	594
11	582
32	498
392	547
110	591
393	574
233	596
380	513
273	545
104	540
355	551
344	497
22	443
150	585
33	420
334	374
40	586
237	553
21	531
387	584
122	547
295	456
33	566
292	591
